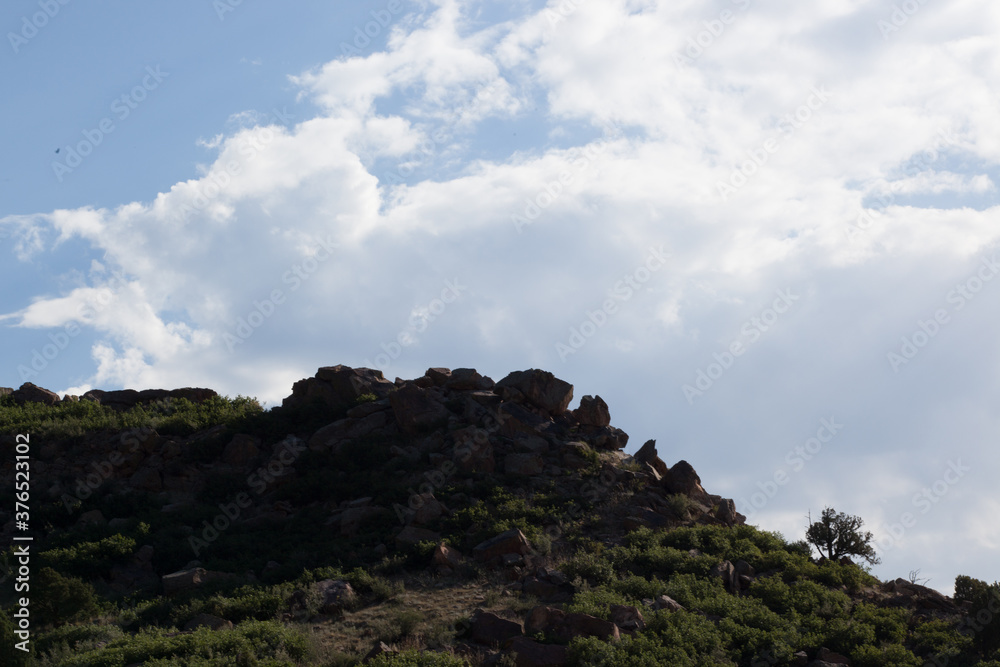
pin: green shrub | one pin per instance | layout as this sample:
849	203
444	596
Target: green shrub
414	658
90	559
590	567
62	599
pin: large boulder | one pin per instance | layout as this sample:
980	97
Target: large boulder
332	436
338	387
31	393
417	410
682	478
491	630
446	559
593	411
335	596
647	454
509	542
539	388
529	653
627	618
413	535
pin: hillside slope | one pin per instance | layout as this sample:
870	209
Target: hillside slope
445	520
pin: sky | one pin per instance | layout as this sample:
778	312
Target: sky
764	231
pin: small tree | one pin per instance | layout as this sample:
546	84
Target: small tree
837	534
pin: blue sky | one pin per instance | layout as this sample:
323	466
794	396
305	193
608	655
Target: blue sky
764	232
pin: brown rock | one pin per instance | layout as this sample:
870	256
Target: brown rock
31	393
585	625
338	387
627	618
543	619
438	376
491	630
445	558
683	479
428	509
668	603
509	542
208	621
336	595
413	535
416	409
827	655
183	580
376	651
468	379
241	450
593	411
539	388
530	653
523	464
647	454
727	572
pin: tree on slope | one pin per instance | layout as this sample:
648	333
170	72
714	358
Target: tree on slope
837	534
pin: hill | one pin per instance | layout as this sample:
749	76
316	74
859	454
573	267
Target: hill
445	520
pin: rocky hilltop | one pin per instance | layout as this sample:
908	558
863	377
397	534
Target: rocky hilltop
514	522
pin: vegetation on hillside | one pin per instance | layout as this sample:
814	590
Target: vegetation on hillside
792	603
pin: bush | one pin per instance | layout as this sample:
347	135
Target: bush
416	659
62	599
590	567
89	559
